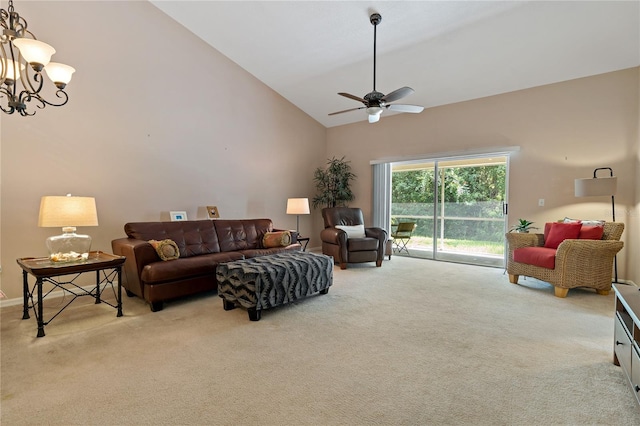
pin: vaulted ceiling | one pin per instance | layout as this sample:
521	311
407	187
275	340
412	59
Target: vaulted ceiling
447	51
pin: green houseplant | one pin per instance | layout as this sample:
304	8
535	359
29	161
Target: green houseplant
522	226
333	184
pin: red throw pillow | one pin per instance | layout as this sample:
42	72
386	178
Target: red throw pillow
591	232
560	232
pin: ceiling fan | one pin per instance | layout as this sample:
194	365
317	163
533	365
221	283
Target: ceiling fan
376	102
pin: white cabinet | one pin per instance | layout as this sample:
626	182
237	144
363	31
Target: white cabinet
626	340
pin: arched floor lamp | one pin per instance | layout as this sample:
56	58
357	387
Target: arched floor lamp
600	187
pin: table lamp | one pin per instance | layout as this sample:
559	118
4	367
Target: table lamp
68	212
298	206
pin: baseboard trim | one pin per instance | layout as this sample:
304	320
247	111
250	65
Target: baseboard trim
58	293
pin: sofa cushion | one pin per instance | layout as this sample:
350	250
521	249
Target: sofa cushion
591	232
276	239
184	268
235	235
353	231
560	232
251	253
193	237
538	256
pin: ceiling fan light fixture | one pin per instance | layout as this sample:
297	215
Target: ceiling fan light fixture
374	102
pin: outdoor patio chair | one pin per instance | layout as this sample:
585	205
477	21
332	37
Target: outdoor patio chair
402	235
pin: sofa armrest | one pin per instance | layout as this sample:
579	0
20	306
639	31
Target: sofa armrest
518	240
380	235
139	253
377	233
334	236
586	253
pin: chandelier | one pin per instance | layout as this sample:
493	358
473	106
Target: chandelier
21	63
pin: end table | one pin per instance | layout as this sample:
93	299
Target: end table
306	242
107	268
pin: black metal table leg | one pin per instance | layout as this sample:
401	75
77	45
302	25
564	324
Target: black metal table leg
98	287
119	301
25	296
40	309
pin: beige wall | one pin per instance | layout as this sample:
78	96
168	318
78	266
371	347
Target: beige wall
564	131
634	212
160	121
157	121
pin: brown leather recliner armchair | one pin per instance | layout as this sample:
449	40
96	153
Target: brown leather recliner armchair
336	242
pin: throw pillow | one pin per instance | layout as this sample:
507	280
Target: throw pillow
276	239
584	222
560	232
591	232
166	249
355	231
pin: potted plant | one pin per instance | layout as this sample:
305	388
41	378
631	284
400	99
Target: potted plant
333	184
523	226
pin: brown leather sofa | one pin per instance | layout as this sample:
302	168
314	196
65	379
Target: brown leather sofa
336	242
203	244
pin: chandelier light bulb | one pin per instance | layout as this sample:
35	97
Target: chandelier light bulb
10	67
35	52
60	74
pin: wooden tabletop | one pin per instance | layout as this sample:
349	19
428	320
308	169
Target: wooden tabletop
45	267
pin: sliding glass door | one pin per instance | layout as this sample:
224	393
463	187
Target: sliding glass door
457	206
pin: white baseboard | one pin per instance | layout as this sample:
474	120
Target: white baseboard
58	293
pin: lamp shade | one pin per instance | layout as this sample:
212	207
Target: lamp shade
596	187
59	73
61	211
298	206
34	51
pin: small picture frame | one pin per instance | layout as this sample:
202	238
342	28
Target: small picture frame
178	216
212	212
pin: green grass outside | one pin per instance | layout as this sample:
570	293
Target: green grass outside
462	246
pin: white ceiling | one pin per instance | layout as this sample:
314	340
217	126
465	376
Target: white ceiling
447	51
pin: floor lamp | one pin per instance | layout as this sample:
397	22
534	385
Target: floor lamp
600	187
298	206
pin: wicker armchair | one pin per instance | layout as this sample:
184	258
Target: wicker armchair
578	263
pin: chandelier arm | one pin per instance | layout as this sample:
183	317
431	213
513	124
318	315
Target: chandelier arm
3	64
15	26
6	93
65	97
25	78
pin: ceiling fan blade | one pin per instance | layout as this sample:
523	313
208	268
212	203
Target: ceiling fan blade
354	97
346	110
397	94
405	108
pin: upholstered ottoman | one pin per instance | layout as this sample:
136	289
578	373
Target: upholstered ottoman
269	281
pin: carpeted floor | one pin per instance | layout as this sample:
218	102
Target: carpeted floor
415	342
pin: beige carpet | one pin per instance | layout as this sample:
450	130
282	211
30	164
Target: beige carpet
415	342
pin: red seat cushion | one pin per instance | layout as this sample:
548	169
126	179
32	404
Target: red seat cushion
538	256
591	232
560	232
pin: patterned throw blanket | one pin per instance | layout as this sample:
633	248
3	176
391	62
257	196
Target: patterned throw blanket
269	281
